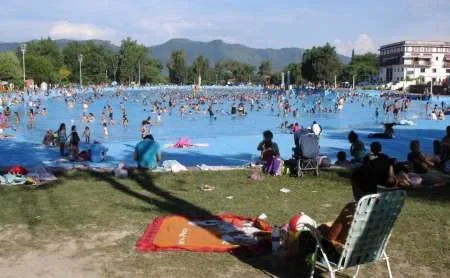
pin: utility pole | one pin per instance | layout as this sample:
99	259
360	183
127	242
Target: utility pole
80	60
353	82
23	48
216	78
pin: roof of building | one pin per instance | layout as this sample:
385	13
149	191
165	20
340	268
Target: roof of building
417	43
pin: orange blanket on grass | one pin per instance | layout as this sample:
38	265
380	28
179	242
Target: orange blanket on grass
222	233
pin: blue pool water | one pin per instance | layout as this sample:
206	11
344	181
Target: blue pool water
231	139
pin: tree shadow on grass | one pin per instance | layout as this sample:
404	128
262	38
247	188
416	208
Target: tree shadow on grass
30	209
434	194
164	201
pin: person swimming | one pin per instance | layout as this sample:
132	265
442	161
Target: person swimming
388	132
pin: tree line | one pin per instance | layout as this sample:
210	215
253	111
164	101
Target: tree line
45	61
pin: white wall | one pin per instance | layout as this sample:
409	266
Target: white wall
407	70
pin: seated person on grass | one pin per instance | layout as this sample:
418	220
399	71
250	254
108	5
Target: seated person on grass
98	152
417	161
357	149
269	149
335	233
382	167
147	153
342	160
445	148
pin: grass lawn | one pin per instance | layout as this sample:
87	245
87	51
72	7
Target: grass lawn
87	224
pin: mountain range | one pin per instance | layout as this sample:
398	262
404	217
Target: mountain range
214	51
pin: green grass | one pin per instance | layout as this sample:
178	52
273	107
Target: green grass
84	204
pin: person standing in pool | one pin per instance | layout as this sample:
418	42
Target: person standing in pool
182	111
124	119
31	118
62	138
377	113
74	143
211	112
17	118
110	113
87	135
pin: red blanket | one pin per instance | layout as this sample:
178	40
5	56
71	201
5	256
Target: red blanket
221	233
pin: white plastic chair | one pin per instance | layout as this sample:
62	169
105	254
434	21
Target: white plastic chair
369	233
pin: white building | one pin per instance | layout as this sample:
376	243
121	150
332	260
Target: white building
423	61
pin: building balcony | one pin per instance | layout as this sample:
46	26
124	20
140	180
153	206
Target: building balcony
418	64
447	64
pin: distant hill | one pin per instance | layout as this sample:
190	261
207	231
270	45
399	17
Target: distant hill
218	50
214	51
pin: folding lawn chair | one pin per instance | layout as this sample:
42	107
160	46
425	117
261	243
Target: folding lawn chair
306	154
369	232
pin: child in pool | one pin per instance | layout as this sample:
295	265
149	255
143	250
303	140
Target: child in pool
105	130
125	119
17	119
87	135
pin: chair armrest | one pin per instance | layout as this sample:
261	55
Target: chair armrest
318	236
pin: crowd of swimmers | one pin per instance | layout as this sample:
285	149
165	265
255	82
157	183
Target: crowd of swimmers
286	105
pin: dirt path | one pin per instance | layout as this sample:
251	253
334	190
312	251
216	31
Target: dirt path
65	257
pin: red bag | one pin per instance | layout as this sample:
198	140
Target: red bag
17	170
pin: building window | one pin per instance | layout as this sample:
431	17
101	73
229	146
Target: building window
437	58
422	70
434	70
447	70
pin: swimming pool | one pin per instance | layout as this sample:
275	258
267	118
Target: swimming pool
231	139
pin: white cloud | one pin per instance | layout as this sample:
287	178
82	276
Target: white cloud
363	44
84	31
172	25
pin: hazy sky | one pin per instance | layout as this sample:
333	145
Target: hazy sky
347	24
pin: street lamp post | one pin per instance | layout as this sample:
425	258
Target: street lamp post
139	74
289	79
80	60
23	48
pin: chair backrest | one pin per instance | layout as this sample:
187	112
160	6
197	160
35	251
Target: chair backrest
309	144
371	227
